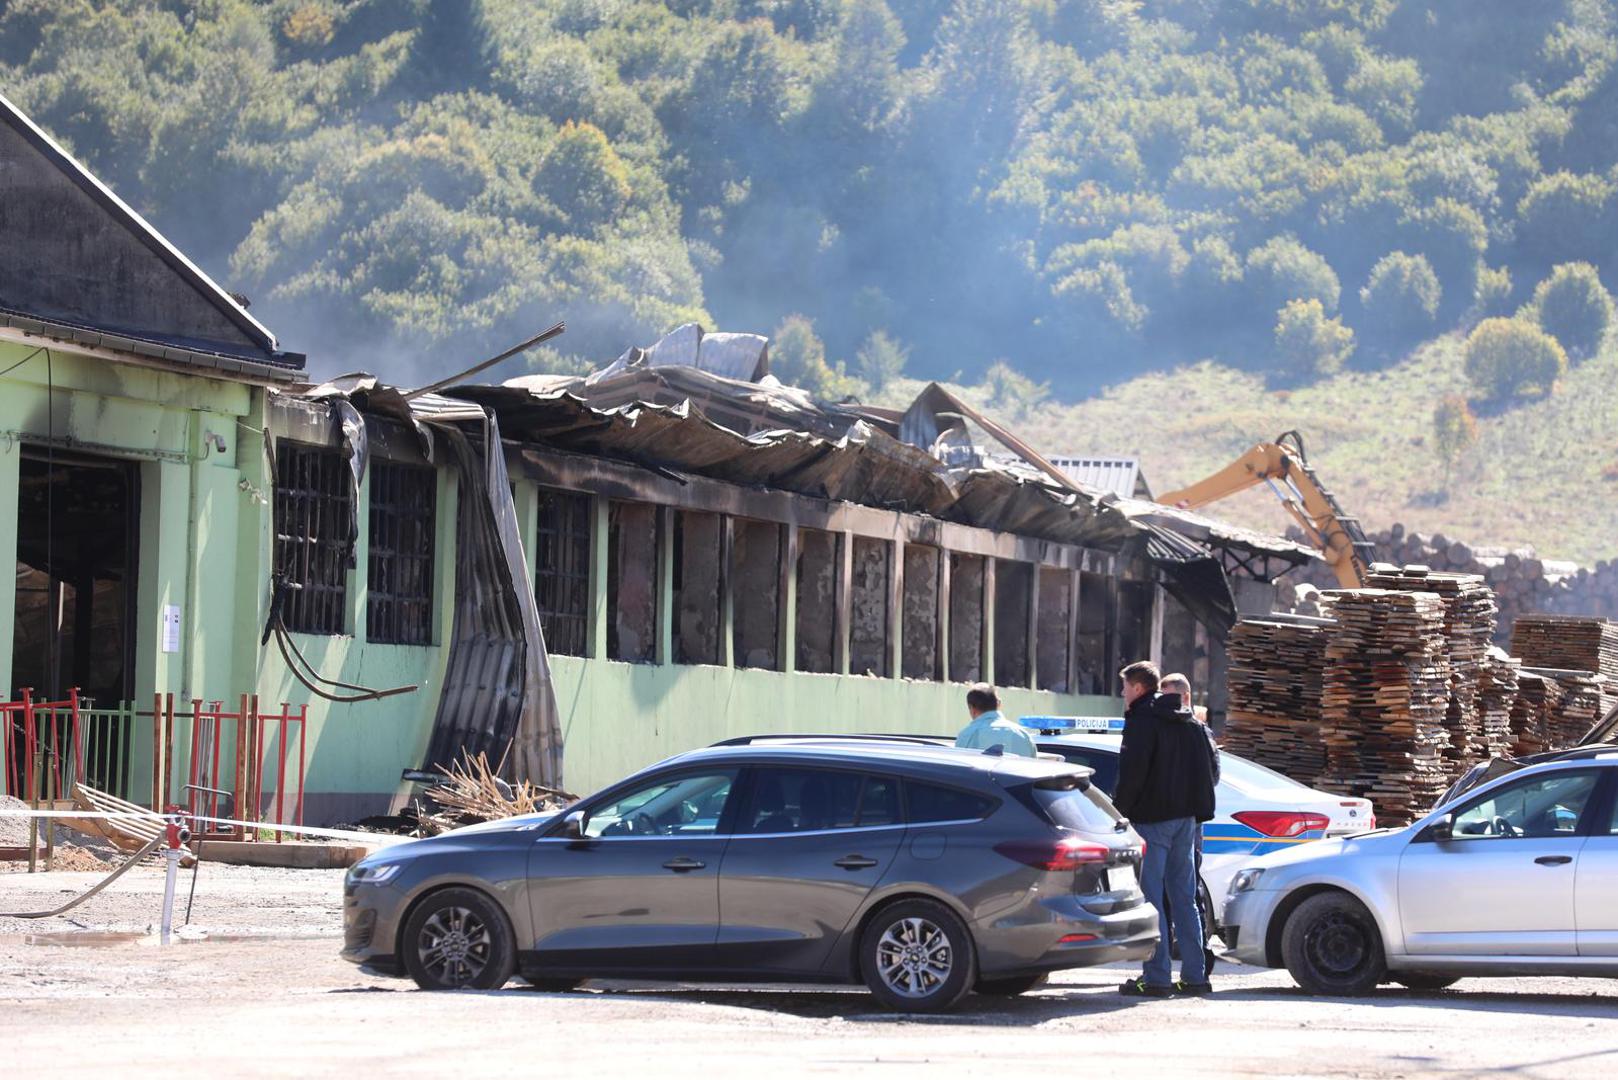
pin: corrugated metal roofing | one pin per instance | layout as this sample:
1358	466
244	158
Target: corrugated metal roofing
1121	476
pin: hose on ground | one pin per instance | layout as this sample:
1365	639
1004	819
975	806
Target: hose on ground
81	898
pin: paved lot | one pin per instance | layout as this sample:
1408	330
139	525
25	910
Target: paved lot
266	994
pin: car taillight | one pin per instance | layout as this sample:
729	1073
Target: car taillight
1054	854
1282	822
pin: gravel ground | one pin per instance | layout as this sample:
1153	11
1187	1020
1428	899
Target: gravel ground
264	993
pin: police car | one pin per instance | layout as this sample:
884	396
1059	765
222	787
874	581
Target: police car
1256	810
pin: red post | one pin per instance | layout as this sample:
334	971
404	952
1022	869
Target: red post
281	768
242	724
168	739
30	740
218	738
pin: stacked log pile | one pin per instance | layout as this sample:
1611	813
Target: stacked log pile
1384	696
1522	582
1273	714
1567	642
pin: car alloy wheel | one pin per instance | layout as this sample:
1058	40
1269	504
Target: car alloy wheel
458	939
917	956
914	957
454	946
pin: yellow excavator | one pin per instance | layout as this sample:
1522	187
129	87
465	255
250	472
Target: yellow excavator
1284	466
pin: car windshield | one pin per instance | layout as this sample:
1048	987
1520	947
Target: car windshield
1251	776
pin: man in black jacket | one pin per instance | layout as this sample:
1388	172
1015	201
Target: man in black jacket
1166	789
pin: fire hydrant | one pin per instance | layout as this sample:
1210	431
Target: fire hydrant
176	834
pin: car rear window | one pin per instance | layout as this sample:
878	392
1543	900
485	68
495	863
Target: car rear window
1081	807
927	802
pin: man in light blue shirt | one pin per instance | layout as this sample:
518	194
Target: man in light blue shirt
989	729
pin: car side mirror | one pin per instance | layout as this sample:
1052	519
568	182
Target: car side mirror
573	824
1442	829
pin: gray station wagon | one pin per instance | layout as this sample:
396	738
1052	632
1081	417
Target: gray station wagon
924	872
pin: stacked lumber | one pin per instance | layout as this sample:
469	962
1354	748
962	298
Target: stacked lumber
1567	642
1384	698
1538	697
1497	696
1469	611
1273	711
1577	701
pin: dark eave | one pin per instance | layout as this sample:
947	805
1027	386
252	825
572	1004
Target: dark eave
288	369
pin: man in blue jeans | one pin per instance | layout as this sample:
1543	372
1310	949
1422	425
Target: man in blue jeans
1166	789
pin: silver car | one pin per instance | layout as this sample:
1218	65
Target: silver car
924	872
1515	876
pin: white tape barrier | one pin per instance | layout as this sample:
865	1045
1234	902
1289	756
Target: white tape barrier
374	839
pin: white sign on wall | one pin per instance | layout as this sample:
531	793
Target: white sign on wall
171	628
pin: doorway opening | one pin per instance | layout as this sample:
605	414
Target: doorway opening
77	522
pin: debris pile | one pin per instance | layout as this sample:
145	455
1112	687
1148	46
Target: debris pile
1273	715
469	792
472	792
1384	697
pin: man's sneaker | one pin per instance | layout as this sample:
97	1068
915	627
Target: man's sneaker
1139	987
1193	989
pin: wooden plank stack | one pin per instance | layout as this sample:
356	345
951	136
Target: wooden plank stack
1567	642
1469	611
1274	678
1538	697
1384	699
1497	694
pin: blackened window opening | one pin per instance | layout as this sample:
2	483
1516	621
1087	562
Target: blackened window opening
1013	595
632	582
562	571
399	598
313	536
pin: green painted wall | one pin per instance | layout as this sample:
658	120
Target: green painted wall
619	717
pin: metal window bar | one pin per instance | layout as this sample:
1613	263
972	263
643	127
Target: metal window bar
399	605
562	571
312	523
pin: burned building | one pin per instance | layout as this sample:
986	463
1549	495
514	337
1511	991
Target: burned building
576	576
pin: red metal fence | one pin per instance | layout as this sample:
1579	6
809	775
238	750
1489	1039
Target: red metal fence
51	746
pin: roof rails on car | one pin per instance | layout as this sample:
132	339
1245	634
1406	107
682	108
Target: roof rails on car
823	736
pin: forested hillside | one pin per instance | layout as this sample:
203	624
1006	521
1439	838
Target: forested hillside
1084	188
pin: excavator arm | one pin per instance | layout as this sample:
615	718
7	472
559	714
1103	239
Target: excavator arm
1284	466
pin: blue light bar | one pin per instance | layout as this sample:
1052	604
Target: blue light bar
1094	725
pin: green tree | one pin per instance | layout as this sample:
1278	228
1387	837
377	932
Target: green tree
1282	269
1566	214
1012	391
1400	299
1455	431
1508	358
584	177
1573	307
798	358
880	361
1307	343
